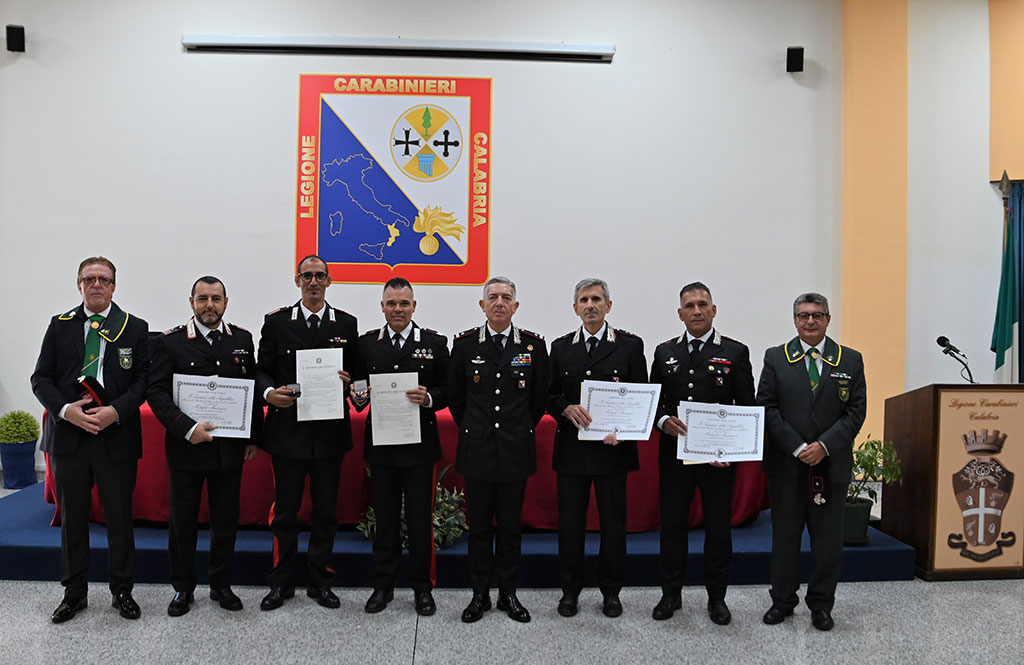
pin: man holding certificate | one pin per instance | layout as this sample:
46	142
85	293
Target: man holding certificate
303	352
401	469
815	401
206	346
701	365
497	391
597	352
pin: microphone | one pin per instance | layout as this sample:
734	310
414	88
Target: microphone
943	341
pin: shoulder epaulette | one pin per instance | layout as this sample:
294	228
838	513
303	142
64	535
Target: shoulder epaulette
341	311
620	331
565	336
467	333
670	340
235	326
175	329
279	309
371	333
431	331
69	315
732	339
532	334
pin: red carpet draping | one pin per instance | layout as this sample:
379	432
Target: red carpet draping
540	510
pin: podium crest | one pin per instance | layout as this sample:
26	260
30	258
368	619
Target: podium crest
982	488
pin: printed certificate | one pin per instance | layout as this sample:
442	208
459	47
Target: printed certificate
624	409
226	403
721	433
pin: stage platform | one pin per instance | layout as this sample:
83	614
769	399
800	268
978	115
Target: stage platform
30	550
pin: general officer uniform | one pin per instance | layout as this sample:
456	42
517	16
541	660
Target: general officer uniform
405	470
794	415
313	448
617	355
109	457
194	350
497	396
719	373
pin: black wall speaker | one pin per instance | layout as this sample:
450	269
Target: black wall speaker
16	38
795	59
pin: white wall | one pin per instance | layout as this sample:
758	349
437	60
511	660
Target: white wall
955	216
692	156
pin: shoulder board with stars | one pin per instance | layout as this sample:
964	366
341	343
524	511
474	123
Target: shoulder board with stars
175	329
620	331
431	331
468	332
531	333
278	310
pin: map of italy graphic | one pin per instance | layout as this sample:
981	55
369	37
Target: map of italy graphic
364	216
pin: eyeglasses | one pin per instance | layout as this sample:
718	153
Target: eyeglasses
803	316
89	281
308	277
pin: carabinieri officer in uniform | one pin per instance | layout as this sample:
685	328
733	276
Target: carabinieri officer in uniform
405	471
498	389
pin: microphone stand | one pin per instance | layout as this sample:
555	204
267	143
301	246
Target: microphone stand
962	359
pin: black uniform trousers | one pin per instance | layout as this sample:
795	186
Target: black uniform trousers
74	473
222	488
495	548
792	508
416	484
573	501
289	479
677	484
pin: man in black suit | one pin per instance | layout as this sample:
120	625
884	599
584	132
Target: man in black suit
205	346
701	365
815	401
94	438
597	352
404	471
498	388
312	448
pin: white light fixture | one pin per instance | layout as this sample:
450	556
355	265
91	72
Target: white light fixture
435	48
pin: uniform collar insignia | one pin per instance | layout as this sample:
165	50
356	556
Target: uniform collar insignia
831	352
114	324
190	329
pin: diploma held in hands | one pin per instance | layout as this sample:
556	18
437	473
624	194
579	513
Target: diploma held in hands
226	403
721	433
394	418
624	409
323	392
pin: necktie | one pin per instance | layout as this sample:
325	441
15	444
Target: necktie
314	324
591	344
499	341
91	361
694	348
812	369
397	339
214	338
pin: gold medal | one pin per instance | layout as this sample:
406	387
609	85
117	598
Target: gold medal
529	347
94	325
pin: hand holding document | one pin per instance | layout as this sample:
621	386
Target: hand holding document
224	403
720	432
323	393
623	409
395	419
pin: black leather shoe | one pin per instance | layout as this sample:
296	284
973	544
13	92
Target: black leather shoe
475	610
425	606
822	619
515	610
68	608
378	600
323	596
667	606
227	598
777	614
612	606
276	598
719	612
568	605
126	605
180	603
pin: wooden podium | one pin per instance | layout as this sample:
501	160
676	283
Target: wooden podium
962	447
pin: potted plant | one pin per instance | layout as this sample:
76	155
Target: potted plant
449	516
875	461
19	431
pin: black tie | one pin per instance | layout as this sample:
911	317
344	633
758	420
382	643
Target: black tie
591	345
214	337
397	339
314	324
499	341
694	348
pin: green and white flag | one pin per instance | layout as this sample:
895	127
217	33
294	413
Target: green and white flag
1005	335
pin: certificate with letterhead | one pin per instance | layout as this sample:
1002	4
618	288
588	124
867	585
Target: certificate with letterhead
395	420
321	390
721	433
224	403
623	409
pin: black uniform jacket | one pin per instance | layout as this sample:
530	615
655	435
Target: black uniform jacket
618	357
497	401
720	374
184	350
125	369
793	416
285	332
426	353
